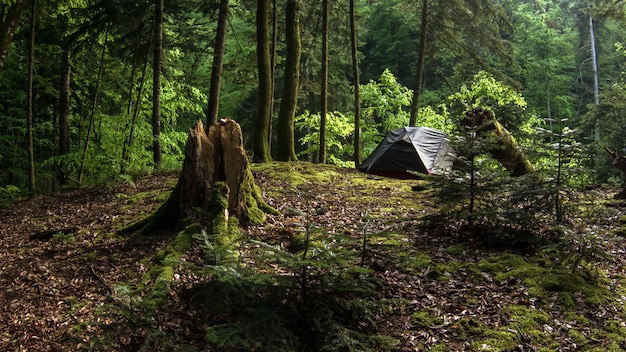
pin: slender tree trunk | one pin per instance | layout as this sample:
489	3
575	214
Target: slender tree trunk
129	116
357	87
8	23
131	89
321	153
29	117
128	145
273	69
156	84
594	62
419	70
218	60
93	111
289	101
64	106
260	146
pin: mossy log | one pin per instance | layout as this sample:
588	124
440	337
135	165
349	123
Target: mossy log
212	158
506	151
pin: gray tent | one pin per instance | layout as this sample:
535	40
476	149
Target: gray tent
419	149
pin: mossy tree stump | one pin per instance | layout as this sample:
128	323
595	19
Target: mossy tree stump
506	151
215	182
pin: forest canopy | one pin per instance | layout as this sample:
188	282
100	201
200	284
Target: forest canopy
91	110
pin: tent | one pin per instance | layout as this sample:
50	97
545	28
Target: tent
420	149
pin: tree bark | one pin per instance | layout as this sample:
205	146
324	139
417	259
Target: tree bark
29	117
357	86
156	84
7	27
289	101
419	70
218	62
64	106
506	150
260	143
321	152
215	167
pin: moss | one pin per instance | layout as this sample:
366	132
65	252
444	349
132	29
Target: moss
577	337
501	264
469	328
423	319
497	340
457	249
386	239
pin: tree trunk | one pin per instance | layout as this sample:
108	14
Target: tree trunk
8	23
419	70
357	90
218	60
156	84
128	143
64	106
260	145
273	71
93	112
29	117
321	152
594	63
289	101
506	150
215	181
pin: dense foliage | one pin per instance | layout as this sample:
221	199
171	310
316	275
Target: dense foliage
540	50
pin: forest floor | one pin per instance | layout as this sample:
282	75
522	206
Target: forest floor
373	275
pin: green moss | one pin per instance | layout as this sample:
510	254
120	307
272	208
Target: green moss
577	337
386	239
457	249
423	319
470	328
527	318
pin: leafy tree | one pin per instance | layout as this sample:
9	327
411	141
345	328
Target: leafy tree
339	130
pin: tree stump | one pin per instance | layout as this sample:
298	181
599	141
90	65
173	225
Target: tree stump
506	151
215	168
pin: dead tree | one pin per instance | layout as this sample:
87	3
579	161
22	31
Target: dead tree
505	148
215	180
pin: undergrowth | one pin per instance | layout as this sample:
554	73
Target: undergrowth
323	290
